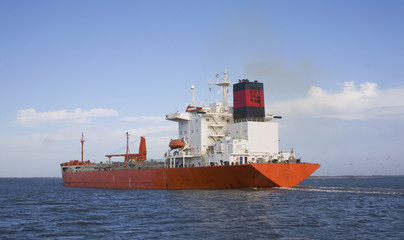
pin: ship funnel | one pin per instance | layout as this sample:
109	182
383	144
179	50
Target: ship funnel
248	100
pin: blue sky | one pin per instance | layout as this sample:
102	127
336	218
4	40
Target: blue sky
333	69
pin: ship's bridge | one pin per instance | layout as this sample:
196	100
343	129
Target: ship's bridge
178	117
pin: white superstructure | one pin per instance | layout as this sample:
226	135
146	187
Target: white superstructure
213	136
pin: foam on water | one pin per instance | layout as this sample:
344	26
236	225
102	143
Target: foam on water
377	191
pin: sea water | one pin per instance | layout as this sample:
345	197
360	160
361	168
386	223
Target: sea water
319	208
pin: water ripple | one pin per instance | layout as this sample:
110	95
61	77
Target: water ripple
317	209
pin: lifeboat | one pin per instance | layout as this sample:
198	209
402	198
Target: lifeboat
176	143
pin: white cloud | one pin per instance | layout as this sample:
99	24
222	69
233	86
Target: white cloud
30	117
51	147
351	103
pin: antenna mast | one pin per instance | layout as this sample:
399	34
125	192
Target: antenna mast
224	85
127	149
82	146
193	98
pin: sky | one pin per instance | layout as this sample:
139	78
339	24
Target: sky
334	71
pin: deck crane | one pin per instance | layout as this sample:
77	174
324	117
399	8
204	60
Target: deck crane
141	156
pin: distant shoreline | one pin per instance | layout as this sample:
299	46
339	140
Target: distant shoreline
337	177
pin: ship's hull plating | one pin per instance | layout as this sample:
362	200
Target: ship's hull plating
261	175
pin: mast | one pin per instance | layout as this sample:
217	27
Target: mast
82	146
224	85
127	150
193	98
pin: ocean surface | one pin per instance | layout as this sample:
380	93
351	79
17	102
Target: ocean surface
320	208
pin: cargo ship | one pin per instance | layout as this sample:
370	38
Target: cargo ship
217	147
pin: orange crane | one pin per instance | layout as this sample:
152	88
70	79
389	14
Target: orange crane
141	156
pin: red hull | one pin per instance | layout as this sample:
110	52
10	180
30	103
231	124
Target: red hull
262	175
